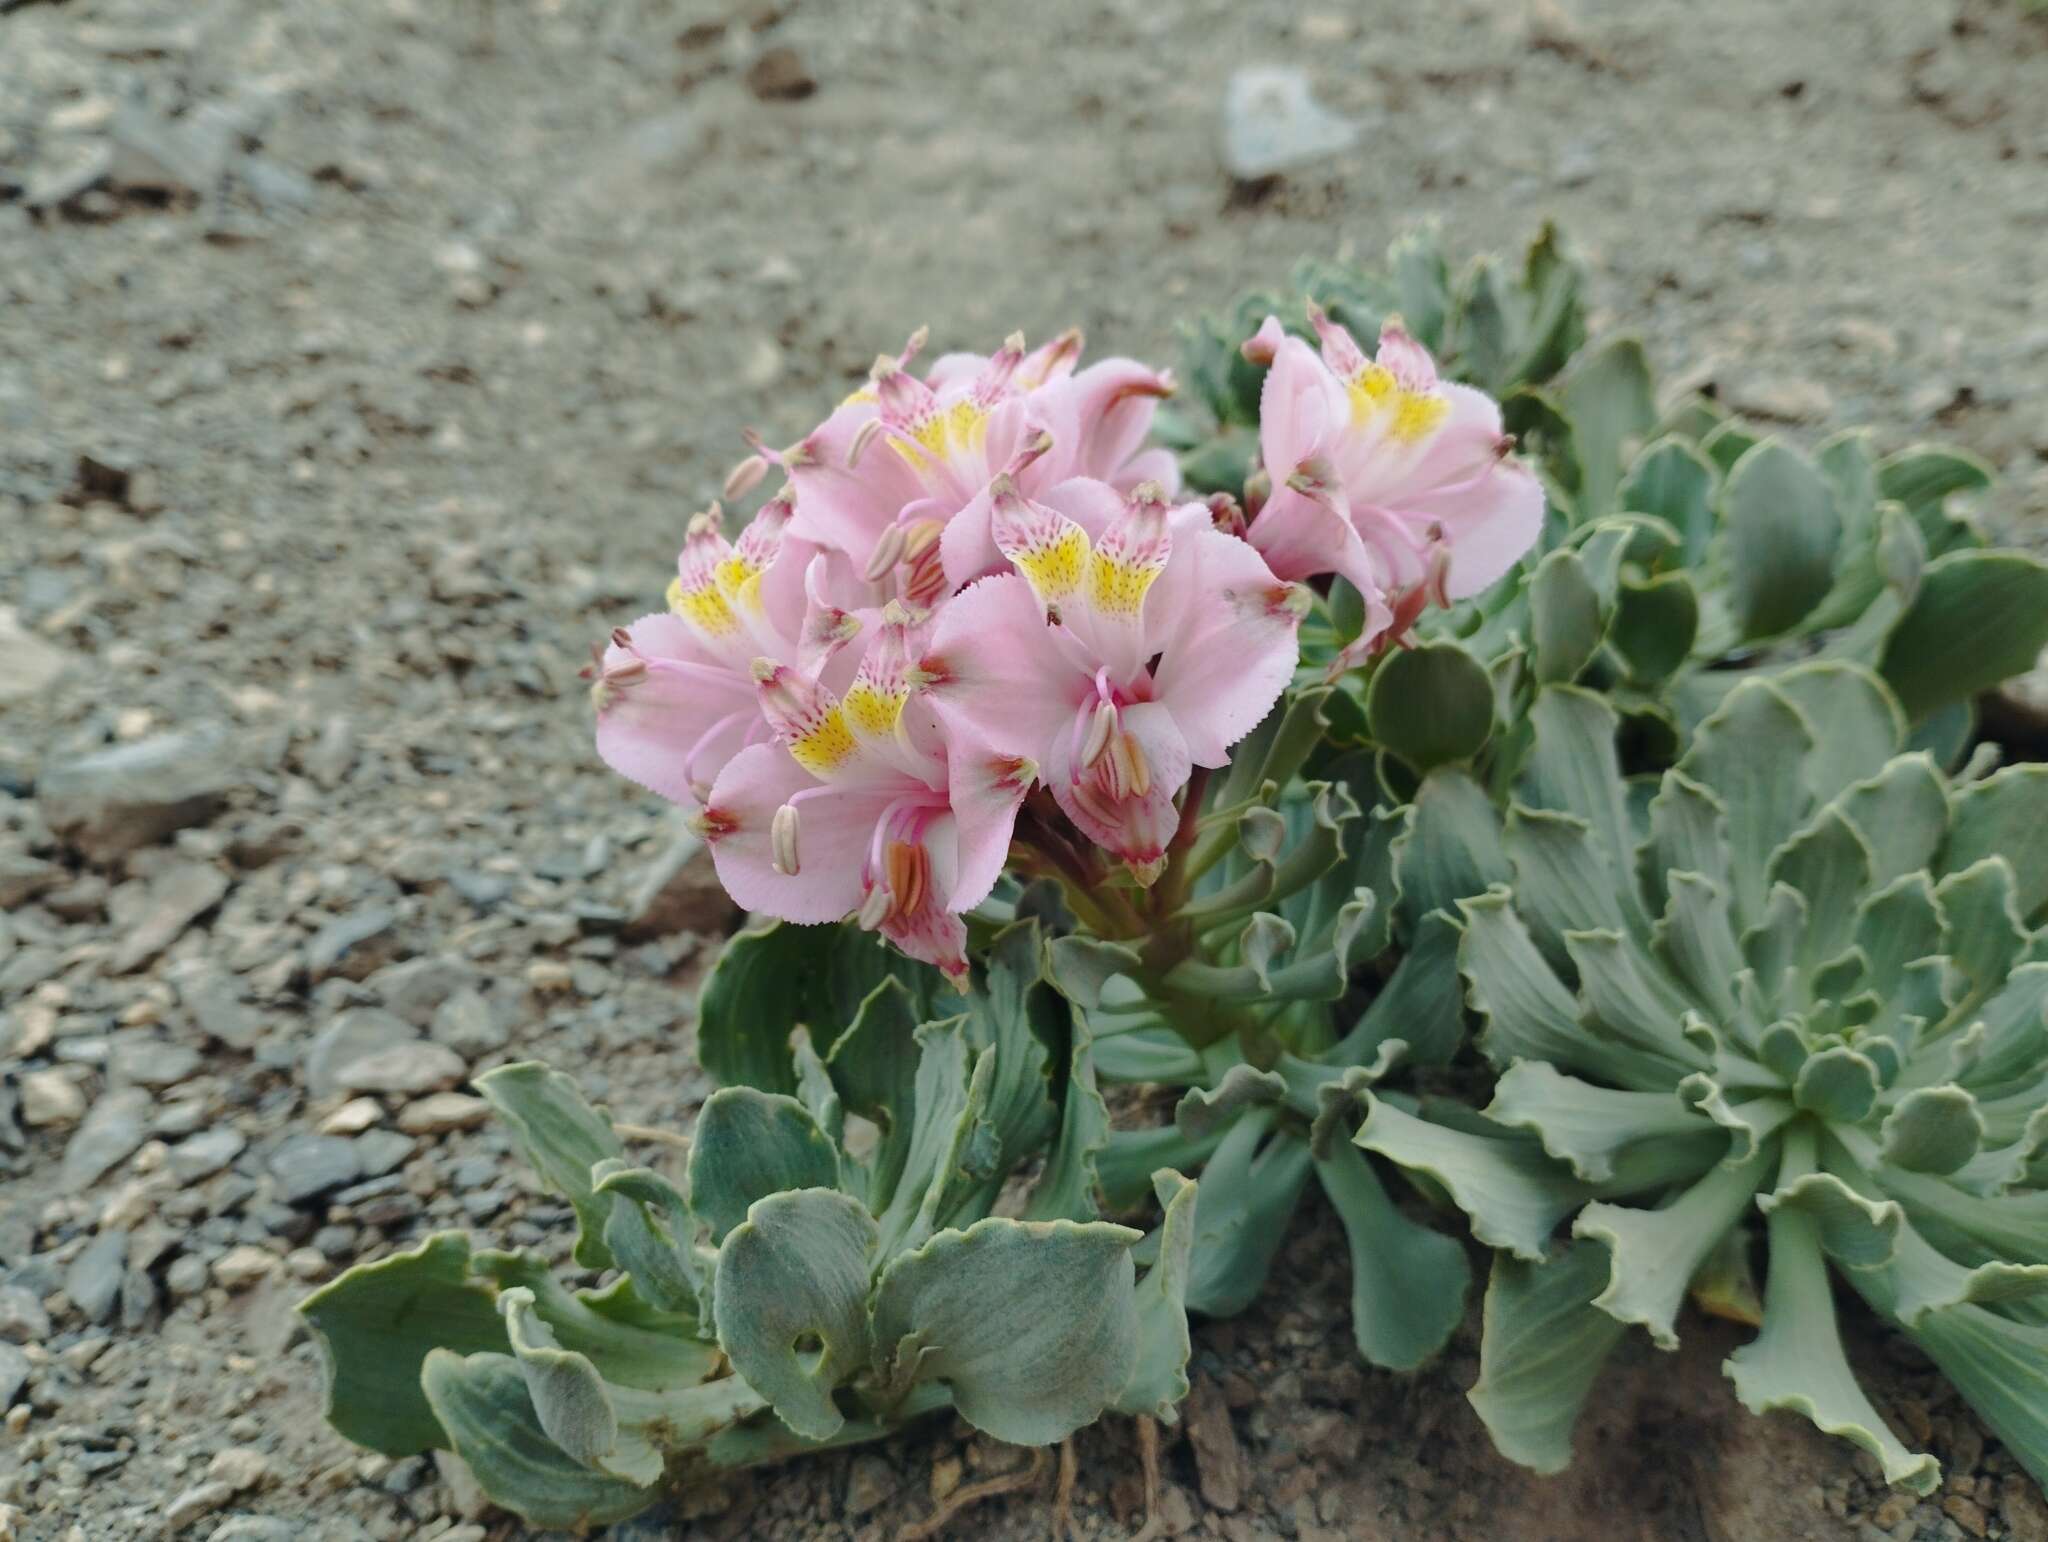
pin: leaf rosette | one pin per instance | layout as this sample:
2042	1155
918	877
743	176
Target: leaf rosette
1798	984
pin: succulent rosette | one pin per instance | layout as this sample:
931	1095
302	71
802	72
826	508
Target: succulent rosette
1800	986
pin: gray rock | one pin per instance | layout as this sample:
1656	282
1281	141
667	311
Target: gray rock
22	1318
139	1298
466	1023
28	665
354	946
218	1009
149	918
187	1276
14	1369
416	989
93	1281
333	754
1273	123
869	1483
415	1067
307	1166
206	1153
23	877
108	1137
256	1528
119	800
679	891
380	1151
147	1060
353	1034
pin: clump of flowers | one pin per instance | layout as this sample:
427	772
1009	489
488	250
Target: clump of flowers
977	586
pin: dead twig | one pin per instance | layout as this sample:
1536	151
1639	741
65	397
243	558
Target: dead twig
1148	1458
973	1494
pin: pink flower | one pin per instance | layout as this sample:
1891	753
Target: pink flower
890	470
1380	471
1131	643
674	692
863	806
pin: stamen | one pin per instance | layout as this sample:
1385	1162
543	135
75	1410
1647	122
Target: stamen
745	477
863	437
1099	732
782	834
887	553
874	907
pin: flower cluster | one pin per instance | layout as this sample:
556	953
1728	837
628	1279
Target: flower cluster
978	584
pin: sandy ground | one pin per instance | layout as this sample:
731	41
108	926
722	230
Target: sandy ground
359	366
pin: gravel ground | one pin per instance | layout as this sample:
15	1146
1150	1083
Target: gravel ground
359	366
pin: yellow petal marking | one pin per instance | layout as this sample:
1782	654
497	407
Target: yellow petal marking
703	607
1055	568
825	746
1117	585
1414	415
871	711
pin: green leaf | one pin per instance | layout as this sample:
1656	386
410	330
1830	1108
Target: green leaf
1249	1190
1673	481
1529	1013
1021	1018
650	1232
1451	847
1830	866
1979	618
1565	617
1513	1194
1544	1343
1408	1282
571	1401
874	1065
1855	1231
2001	1368
1033	1324
1656	1253
1924	478
1573	768
1421	1003
1430	705
482	1402
1611	402
1067	1189
1797	1362
1902	813
771	979
1727	442
375	1327
1855	721
1740	754
2006	814
564	1137
1656	622
631	1344
750	1144
1581	1124
1839	1084
1562	883
944	1119
1933	1130
1784	538
797	1268
1160	1380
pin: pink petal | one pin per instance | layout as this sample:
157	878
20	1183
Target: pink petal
669	713
1224	628
835	826
844	507
1135	828
1157	464
986	787
1301	406
996	670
